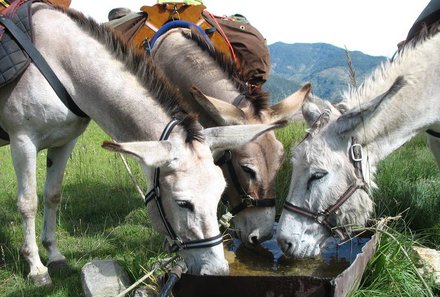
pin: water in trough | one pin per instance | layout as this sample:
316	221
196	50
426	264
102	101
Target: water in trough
265	271
268	259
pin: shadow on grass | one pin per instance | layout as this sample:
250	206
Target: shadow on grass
97	220
91	206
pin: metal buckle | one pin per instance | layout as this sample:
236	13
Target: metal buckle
248	201
353	157
321	217
175	244
228	155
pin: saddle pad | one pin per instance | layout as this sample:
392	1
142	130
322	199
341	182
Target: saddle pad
13	60
429	16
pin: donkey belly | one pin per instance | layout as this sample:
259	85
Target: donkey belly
35	112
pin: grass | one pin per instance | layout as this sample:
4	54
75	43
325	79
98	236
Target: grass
102	216
391	271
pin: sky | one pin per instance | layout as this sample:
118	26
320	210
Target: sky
373	27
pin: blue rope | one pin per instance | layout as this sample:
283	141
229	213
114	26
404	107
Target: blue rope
176	24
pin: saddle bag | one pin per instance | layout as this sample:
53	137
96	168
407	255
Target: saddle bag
249	45
233	36
13	59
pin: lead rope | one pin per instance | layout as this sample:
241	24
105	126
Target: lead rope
234	57
147	275
132	177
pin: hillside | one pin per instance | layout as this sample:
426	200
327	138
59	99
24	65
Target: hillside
324	65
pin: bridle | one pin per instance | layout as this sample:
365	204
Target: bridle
247	201
176	243
321	217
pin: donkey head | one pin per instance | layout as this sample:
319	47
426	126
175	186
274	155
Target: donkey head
190	186
252	167
330	179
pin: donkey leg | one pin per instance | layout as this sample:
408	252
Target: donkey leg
56	164
24	155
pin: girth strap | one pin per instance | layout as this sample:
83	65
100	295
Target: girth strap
433	133
3	134
42	65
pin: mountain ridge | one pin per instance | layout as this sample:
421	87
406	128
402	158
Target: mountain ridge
324	65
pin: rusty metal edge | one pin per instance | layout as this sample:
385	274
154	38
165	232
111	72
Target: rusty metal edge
349	280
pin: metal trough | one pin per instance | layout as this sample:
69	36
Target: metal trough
282	285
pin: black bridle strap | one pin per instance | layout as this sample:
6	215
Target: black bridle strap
178	244
203	243
251	202
155	192
42	65
227	159
246	199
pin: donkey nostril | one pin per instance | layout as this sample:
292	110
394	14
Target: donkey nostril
254	239
289	245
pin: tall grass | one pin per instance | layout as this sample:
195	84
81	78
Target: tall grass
290	136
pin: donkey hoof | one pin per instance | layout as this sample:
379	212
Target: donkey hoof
41	279
57	265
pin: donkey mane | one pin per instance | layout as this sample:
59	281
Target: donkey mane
379	80
141	65
256	96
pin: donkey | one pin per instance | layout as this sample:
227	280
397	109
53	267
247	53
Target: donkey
334	165
223	98
125	94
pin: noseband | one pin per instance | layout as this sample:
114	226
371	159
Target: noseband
321	217
247	200
176	243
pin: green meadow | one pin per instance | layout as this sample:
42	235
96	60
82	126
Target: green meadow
101	215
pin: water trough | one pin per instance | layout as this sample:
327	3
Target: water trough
266	272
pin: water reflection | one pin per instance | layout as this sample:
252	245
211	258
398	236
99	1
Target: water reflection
268	260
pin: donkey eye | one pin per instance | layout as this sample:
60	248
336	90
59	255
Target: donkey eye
185	204
315	176
249	171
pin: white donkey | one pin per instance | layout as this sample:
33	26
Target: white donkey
124	93
333	166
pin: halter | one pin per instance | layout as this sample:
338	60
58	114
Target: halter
321	217
176	243
247	200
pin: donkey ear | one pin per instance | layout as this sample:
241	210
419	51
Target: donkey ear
354	117
311	112
228	137
149	153
285	109
223	113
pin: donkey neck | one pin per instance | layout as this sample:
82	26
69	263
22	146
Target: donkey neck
99	83
193	66
415	108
